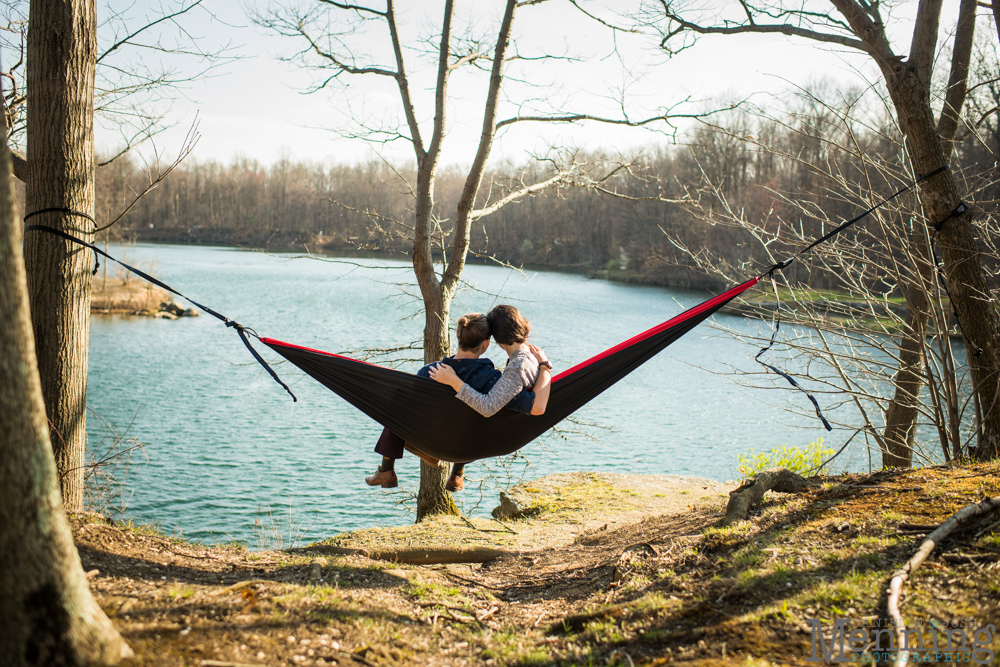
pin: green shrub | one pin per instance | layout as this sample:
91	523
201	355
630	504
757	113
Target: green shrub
795	459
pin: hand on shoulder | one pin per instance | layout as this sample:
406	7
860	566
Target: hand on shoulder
538	353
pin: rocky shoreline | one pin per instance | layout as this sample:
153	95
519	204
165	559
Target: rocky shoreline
117	297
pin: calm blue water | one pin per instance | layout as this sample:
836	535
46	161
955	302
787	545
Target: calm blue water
226	446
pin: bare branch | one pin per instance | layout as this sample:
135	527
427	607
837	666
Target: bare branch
128	38
517	194
186	148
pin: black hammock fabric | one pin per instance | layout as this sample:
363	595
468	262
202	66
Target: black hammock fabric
426	413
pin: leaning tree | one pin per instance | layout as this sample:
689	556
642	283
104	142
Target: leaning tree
49	616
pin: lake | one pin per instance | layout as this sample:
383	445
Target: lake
231	457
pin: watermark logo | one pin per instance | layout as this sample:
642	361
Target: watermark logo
923	642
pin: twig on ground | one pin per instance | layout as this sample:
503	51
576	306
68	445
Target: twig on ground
926	547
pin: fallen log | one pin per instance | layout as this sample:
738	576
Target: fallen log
752	492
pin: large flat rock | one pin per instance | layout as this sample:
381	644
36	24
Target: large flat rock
596	498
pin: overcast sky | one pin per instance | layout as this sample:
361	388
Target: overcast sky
254	106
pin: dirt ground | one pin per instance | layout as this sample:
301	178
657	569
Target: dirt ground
605	571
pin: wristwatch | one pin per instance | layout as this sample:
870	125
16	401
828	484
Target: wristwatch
546	363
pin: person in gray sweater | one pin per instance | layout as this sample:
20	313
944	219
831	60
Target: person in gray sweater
527	367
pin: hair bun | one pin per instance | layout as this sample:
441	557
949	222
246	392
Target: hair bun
463	321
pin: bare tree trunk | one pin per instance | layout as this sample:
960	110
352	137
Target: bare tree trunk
46	610
901	416
996	16
62	52
432	498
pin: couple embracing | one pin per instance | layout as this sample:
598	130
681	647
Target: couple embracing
523	386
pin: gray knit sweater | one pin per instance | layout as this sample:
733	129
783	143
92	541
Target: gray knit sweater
521	372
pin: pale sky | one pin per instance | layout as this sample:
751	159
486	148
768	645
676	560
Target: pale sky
253	107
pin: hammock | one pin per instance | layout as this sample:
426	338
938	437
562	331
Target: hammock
426	413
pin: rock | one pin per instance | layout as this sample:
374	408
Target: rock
513	505
172	307
171	310
575	491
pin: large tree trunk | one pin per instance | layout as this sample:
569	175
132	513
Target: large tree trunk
963	266
901	415
47	612
62	52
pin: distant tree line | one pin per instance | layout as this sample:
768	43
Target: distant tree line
637	224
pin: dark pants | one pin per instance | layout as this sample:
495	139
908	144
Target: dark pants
390	445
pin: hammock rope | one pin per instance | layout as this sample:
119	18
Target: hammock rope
240	329
415	408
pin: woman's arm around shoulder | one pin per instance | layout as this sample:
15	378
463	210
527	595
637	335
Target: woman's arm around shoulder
543	384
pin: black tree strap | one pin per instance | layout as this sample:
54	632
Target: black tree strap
61	209
939	269
826	237
240	329
67	211
874	208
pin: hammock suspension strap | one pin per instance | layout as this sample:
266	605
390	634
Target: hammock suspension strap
826	237
240	329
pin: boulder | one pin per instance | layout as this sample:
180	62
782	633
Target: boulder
172	307
512	506
177	310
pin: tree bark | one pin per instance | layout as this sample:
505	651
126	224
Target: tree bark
62	53
432	497
901	416
47	612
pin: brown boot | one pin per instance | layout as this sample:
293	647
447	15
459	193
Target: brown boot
429	460
454	483
387	479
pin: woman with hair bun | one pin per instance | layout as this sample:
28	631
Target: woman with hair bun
527	366
473	332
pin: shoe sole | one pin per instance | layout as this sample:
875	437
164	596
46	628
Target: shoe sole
453	489
390	485
429	460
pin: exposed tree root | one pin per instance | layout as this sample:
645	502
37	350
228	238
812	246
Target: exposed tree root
414	555
926	547
752	492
